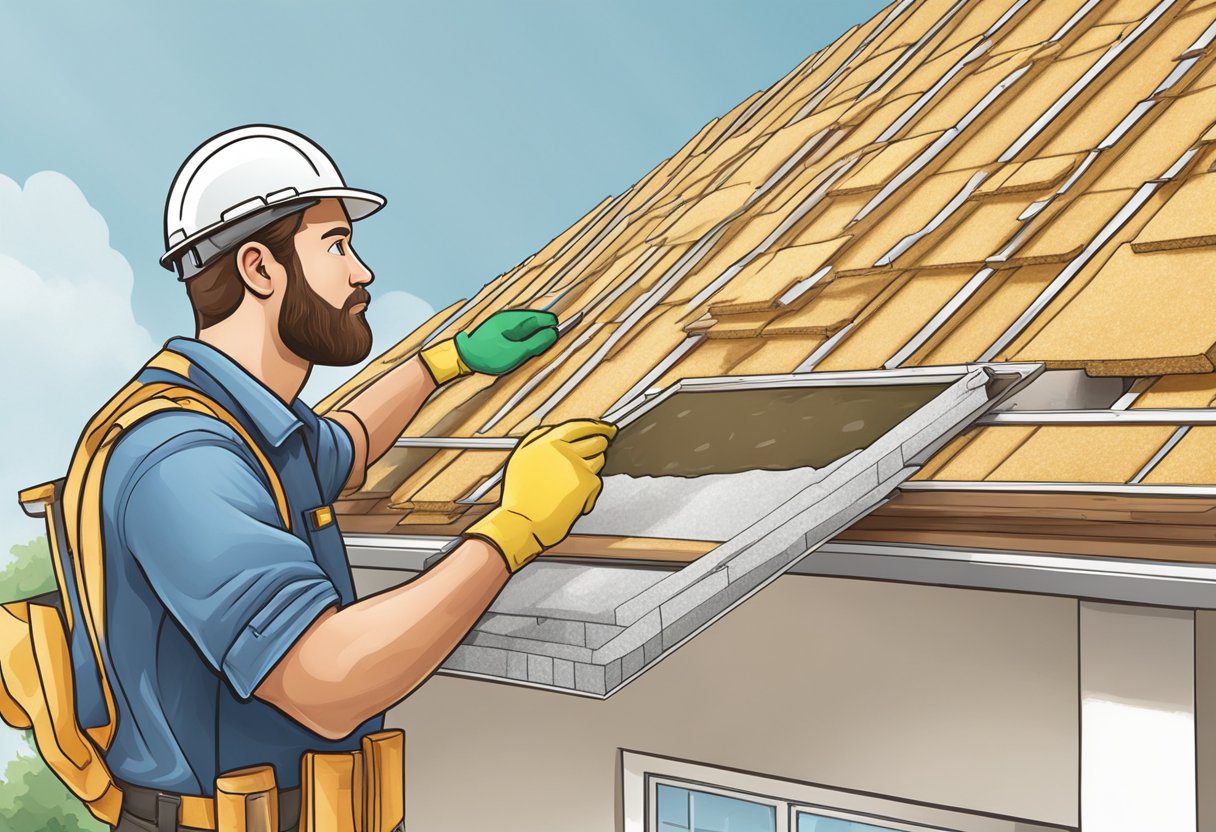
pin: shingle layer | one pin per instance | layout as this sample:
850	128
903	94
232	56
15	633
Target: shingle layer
952	181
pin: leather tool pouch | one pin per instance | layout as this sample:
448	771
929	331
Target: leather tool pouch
355	791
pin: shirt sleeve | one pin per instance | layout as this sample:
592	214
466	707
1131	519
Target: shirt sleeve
335	457
202	524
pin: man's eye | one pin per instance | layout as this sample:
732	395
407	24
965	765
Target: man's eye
337	248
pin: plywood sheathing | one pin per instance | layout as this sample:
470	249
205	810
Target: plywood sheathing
1141	314
782	185
987	314
1186	220
1182	391
1157	528
1082	453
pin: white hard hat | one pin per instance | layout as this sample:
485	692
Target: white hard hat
242	180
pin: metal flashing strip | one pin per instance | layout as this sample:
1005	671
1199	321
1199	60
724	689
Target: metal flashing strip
539	378
1164	583
1181	69
928	95
407	553
614	202
1108	57
1073	21
655	372
1129	398
1070	271
472	443
609	295
912	49
852	488
803	286
922	336
949	208
1203	41
1089	159
1143	416
813	199
817	95
943	141
825	349
1116	489
1126	124
1174	439
910	375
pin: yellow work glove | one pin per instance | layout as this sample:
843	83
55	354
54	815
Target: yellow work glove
551	478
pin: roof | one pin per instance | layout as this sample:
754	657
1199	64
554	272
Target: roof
952	183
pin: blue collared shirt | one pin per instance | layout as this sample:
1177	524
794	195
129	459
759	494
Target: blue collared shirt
205	588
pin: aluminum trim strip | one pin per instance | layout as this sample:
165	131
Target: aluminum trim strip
1108	57
1143	416
1174	439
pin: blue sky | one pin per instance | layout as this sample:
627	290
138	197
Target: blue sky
490	127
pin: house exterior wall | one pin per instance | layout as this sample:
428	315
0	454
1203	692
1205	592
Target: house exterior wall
962	698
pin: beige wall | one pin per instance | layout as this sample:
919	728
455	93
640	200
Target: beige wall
957	697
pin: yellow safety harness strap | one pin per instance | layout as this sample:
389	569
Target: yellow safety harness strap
82	492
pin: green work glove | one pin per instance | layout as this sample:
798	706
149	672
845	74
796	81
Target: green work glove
502	342
507	339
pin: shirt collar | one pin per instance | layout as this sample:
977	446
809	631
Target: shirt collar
273	419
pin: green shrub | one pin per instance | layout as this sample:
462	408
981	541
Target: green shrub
31	796
29	573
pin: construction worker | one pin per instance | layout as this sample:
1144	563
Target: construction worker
232	635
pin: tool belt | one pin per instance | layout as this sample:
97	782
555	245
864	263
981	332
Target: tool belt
155	811
342	791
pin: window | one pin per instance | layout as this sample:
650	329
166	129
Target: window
689	810
811	822
662	794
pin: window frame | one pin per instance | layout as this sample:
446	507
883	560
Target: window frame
642	773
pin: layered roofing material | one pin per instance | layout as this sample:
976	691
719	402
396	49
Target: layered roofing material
954	182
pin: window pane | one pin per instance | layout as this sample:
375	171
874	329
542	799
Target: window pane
673	809
817	823
715	813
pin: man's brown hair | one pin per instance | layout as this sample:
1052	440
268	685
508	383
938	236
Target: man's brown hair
216	291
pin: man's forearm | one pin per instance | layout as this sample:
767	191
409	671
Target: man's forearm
354	663
378	415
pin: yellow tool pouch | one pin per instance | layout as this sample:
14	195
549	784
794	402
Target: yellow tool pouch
355	791
247	801
37	680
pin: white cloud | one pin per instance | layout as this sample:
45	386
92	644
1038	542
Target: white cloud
66	330
392	316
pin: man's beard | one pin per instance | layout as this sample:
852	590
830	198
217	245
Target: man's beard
318	332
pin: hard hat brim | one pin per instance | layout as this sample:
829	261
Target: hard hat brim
359	204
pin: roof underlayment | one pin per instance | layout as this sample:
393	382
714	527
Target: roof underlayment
952	183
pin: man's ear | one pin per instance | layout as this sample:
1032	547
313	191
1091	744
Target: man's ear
256	265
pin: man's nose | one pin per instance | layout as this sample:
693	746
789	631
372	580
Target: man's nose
361	274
